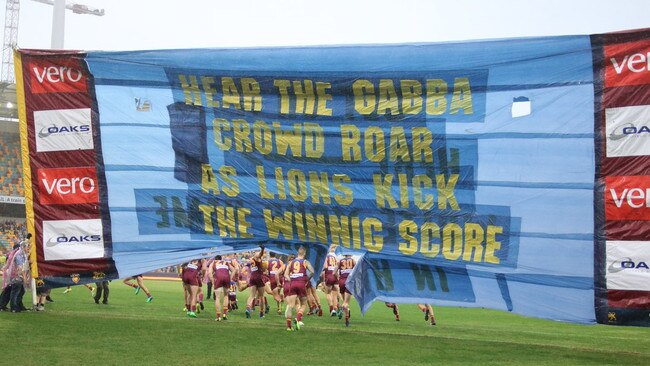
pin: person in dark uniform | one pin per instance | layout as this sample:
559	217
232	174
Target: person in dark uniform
102	288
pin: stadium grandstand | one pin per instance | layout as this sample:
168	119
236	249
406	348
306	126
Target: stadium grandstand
11	180
12	206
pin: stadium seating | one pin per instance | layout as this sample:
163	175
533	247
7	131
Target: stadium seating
11	179
9	234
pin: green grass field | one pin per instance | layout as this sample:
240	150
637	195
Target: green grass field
75	331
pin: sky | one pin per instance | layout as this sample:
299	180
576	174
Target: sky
165	24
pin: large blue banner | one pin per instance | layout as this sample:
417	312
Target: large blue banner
461	174
465	172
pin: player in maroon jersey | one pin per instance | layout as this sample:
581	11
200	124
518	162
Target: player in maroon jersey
427	309
191	282
276	275
330	283
343	271
286	285
298	272
255	282
220	274
244	274
203	278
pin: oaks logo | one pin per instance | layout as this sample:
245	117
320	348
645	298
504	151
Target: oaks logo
57	76
627	198
628	131
63	130
64	186
73	239
627	64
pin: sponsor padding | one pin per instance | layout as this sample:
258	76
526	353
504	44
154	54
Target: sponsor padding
628	131
63	130
627	64
57	76
65	186
73	239
628	265
627	198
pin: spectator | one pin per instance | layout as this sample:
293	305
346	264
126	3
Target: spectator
17	278
7	270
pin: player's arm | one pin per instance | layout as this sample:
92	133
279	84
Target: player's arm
277	275
211	273
286	273
310	269
235	272
231	270
259	254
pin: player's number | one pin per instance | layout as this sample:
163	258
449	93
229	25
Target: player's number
295	268
346	264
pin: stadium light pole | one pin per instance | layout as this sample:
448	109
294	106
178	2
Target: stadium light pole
58	18
58	24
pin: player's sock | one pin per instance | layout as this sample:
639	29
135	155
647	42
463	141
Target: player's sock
288	323
193	309
132	285
331	308
299	316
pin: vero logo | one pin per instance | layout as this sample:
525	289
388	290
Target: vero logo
627	64
627	198
57	76
65	186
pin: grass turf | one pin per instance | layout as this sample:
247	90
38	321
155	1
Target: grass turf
128	331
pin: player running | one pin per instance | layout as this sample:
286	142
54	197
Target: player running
428	313
298	272
395	309
220	274
330	283
255	282
343	271
313	300
276	275
232	291
191	280
139	285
